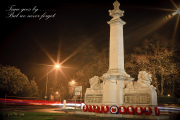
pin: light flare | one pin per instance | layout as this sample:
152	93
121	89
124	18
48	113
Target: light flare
174	4
175	29
49	56
46	74
58	54
177	11
157	23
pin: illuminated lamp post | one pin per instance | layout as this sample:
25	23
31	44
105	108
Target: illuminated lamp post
56	67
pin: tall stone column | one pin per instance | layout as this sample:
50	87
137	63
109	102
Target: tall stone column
113	86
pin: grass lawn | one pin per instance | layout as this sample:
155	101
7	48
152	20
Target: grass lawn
30	116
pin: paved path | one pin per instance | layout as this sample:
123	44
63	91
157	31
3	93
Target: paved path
70	118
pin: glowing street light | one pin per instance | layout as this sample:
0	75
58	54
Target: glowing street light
57	66
73	81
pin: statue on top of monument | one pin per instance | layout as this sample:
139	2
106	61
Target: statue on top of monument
116	11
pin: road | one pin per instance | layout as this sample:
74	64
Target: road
57	109
49	109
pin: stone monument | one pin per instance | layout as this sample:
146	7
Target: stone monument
115	93
117	87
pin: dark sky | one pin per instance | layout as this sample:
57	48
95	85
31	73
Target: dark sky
78	26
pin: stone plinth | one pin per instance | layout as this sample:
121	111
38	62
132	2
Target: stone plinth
93	97
109	92
140	92
142	117
140	97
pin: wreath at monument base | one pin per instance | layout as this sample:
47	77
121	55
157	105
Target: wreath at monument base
122	110
85	108
89	107
147	111
130	110
96	109
114	109
157	111
101	109
139	110
106	109
93	108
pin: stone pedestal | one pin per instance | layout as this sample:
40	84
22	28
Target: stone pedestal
93	97
109	92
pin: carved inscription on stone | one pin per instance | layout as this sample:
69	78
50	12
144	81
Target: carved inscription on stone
137	98
97	98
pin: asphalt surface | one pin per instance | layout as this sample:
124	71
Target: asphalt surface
71	116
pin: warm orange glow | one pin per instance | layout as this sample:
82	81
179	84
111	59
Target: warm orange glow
168	95
57	66
73	81
56	92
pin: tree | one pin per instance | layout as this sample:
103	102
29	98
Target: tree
30	89
11	80
97	67
155	56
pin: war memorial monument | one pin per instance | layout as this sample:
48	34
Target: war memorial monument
118	95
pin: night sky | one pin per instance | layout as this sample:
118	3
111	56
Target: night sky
76	28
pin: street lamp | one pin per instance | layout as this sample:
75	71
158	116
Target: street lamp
72	81
57	66
58	94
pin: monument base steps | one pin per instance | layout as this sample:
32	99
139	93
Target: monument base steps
143	117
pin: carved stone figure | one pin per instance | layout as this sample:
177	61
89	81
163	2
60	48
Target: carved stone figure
116	10
144	77
105	76
144	80
130	85
95	83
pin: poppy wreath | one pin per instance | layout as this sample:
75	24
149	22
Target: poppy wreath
106	109
96	109
101	109
139	110
131	112
93	108
114	109
147	111
122	110
89	108
157	111
85	108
